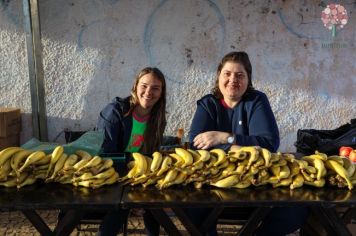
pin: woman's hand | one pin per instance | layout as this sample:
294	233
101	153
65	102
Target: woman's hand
209	139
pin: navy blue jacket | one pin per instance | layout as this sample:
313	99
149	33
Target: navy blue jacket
251	121
117	128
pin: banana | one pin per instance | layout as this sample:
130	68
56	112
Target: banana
106	164
44	160
237	155
317	163
106	174
294	168
111	180
211	162
179	161
70	162
12	182
84	177
80	164
5	169
58	166
156	161
284	172
283	183
83	154
317	183
229	169
242	184
336	158
275	157
321	156
204	155
349	166
220	154
96	160
297	181
266	154
171	175
141	164
226	182
166	165
311	169
32	158
18	158
28	181
7	153
254	153
56	154
194	154
340	170
275	170
307	177
187	157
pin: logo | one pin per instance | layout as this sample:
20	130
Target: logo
334	17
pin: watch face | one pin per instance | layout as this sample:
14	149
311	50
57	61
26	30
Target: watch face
230	139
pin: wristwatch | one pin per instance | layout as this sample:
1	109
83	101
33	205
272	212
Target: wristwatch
231	139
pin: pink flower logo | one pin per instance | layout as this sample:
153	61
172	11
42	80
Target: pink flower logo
334	16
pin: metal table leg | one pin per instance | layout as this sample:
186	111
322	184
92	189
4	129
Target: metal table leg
37	222
164	220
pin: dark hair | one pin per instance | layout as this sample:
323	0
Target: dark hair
157	122
237	57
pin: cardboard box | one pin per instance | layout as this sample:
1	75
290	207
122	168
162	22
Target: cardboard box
10	121
10	141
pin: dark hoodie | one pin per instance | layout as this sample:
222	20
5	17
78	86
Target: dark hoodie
117	128
251	121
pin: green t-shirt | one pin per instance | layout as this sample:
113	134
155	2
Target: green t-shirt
136	138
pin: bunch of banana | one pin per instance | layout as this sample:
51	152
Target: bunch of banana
21	167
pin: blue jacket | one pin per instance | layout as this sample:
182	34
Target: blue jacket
117	128
251	121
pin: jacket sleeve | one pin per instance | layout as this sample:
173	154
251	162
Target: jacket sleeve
263	129
110	122
203	121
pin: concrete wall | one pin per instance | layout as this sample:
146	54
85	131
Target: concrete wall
92	50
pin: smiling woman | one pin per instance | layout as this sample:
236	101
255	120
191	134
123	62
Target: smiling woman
134	124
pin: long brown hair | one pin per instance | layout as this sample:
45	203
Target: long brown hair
157	122
236	57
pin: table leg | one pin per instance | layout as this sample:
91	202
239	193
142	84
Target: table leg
252	223
211	219
189	226
332	221
164	220
37	222
67	224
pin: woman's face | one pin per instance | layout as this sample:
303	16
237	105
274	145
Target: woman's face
233	81
149	90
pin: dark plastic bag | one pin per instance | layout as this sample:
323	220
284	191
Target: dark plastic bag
326	141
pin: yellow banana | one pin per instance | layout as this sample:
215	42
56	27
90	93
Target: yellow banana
11	182
227	182
28	181
294	168
211	162
105	165
32	158
204	155
156	161
229	169
317	163
45	160
266	154
254	153
340	170
187	157
70	162
317	183
5	169
141	164
56	154
166	165
7	153
242	184
283	183
96	160
83	155
321	156
336	158
275	170
349	166
179	161
84	177
297	181
106	174
237	155
194	154
58	166
220	155
284	172
111	180
171	175
18	158
77	166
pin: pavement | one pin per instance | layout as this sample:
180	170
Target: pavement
14	223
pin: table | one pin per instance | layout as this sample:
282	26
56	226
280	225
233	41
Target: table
74	201
322	202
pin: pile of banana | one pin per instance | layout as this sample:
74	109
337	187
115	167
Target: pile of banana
20	167
238	168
